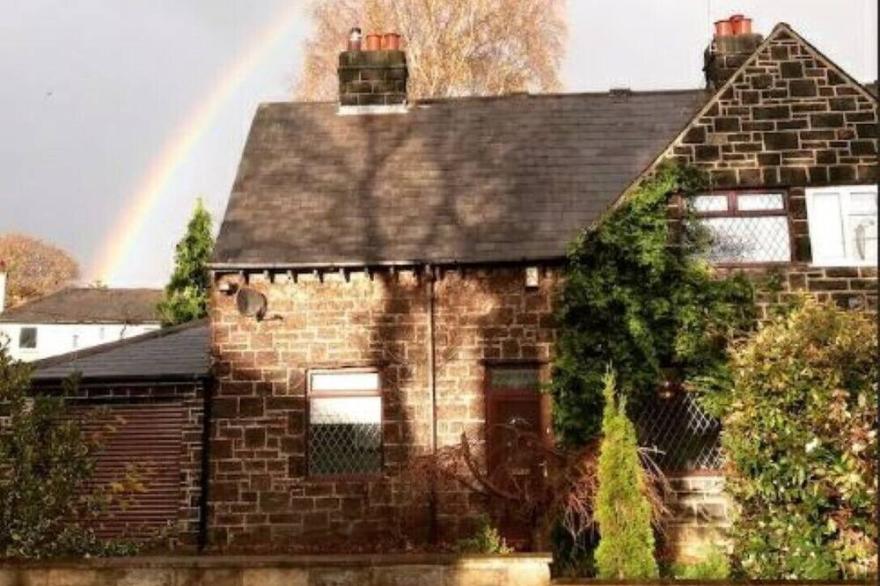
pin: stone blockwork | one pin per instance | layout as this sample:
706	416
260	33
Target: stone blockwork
789	118
261	494
337	570
701	515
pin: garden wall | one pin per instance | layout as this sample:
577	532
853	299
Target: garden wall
335	570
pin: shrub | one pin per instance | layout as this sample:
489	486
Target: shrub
714	565
486	539
800	437
623	512
45	462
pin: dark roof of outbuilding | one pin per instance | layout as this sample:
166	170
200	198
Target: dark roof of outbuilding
455	180
89	305
180	352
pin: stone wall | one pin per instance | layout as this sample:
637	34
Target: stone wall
261	494
412	570
701	515
789	119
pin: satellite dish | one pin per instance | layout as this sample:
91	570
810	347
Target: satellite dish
250	302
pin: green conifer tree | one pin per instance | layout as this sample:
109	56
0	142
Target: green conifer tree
626	544
186	295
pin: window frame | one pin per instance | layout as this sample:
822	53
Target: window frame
311	393
733	211
21	331
845	205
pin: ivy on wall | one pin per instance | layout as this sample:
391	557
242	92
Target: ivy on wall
643	301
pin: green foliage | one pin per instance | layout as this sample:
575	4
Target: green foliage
800	436
623	512
714	565
645	300
186	295
46	461
485	539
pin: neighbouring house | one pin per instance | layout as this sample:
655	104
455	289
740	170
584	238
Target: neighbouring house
76	318
146	396
384	275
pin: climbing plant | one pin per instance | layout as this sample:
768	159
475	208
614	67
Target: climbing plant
640	295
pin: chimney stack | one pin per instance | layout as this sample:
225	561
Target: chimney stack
733	43
372	80
2	286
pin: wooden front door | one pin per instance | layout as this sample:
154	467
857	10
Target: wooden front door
516	427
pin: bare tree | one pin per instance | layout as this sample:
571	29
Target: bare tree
34	267
454	47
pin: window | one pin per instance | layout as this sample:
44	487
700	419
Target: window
745	227
843	225
27	338
345	422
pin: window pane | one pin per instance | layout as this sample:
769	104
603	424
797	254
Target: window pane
513	378
345	435
27	338
862	237
749	202
345	381
826	227
710	203
745	240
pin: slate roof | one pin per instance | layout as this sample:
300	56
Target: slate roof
89	305
455	180
180	352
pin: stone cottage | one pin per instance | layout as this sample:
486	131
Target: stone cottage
385	272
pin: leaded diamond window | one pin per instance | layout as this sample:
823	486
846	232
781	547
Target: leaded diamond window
680	434
345	423
745	228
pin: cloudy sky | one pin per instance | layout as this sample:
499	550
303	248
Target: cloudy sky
115	116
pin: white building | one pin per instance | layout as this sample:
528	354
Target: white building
75	318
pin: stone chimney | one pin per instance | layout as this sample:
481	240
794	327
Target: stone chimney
733	43
372	77
2	286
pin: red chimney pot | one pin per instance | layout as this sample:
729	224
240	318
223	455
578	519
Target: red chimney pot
374	42
391	42
742	25
723	28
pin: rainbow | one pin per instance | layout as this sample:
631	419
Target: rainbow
119	244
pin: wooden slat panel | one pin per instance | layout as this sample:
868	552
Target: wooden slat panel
147	437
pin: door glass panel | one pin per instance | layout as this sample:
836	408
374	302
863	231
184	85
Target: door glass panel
505	379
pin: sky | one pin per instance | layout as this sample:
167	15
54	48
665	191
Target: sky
115	116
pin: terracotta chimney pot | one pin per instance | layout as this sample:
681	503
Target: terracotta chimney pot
723	28
742	26
391	42
374	42
354	39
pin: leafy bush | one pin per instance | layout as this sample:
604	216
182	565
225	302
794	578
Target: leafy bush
714	565
800	436
641	297
45	462
486	539
623	512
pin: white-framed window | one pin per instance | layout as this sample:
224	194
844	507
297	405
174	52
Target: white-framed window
344	422
843	225
745	227
27	338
